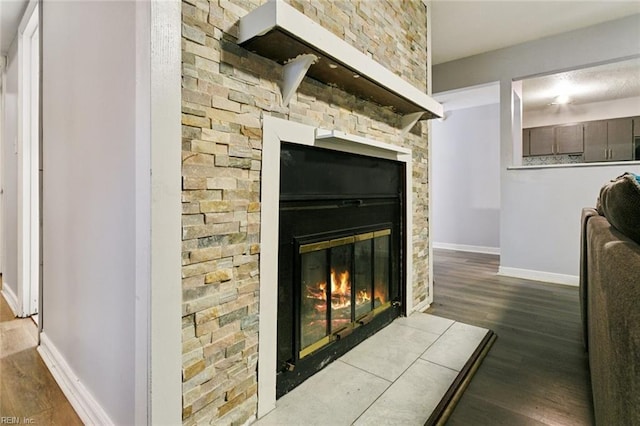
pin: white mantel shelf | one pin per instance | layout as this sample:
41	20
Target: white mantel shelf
279	32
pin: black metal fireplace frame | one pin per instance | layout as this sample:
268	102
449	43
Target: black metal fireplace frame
294	370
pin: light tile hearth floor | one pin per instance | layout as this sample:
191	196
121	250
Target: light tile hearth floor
397	376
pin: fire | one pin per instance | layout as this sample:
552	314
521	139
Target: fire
340	289
363	297
341	292
380	295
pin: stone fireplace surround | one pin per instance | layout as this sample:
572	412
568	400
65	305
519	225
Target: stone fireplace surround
276	131
228	94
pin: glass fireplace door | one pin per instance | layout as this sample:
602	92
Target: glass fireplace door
344	282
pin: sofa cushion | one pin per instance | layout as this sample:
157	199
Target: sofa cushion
619	202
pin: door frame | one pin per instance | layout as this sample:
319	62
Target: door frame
29	162
3	66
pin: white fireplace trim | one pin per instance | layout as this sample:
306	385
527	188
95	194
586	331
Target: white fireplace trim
274	132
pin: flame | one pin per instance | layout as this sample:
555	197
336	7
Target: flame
341	292
340	289
340	283
362	297
380	294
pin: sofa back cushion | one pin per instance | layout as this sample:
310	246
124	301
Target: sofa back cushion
619	202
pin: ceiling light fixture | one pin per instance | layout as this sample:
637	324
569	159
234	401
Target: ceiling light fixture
561	100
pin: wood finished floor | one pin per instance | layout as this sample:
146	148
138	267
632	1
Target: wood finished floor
537	371
27	389
535	374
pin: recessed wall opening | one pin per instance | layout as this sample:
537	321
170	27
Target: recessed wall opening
585	115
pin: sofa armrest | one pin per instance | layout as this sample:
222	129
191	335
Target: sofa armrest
587	213
614	323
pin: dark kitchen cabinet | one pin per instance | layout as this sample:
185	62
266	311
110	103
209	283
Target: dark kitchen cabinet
568	139
595	141
541	141
636	138
620	139
526	142
608	140
552	140
616	139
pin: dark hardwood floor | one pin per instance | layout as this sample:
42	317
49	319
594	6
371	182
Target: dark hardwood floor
28	392
536	373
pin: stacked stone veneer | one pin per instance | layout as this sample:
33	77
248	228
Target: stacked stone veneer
226	93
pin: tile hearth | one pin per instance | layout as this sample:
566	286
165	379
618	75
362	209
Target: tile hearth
397	376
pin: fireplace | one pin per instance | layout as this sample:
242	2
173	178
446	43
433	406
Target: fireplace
340	255
276	359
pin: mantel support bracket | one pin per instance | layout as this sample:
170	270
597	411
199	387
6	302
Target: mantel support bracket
410	120
292	74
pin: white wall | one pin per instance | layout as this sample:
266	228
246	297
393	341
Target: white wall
89	197
560	114
543	225
525	243
466	179
10	174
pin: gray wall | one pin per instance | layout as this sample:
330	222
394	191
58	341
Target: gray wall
466	178
89	117
544	237
10	173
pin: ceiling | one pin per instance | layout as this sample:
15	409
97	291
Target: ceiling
465	28
596	84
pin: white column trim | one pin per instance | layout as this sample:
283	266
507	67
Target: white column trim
429	7
165	177
142	310
274	131
158	346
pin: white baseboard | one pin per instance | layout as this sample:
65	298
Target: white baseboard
11	298
550	277
88	409
465	247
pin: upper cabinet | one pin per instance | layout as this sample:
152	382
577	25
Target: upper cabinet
620	139
608	140
541	141
569	139
636	138
553	140
595	141
526	142
603	140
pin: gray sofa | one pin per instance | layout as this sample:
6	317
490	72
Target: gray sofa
610	302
